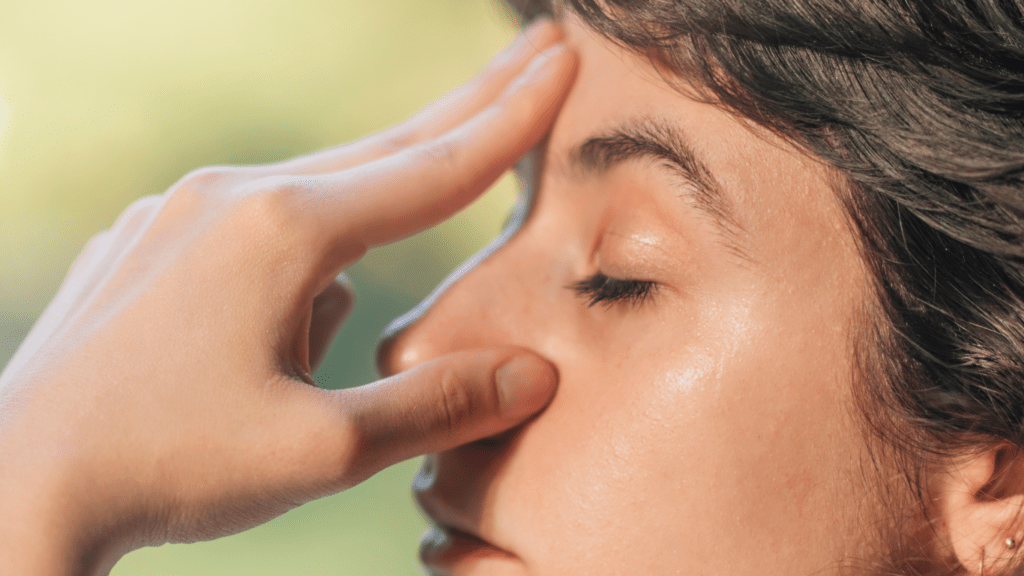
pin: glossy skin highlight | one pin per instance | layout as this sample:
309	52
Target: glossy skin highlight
708	429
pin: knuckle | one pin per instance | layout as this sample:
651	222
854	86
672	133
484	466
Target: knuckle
456	400
324	444
137	212
352	452
269	212
99	237
143	206
196	188
95	248
397	140
206	179
97	241
346	442
265	213
447	155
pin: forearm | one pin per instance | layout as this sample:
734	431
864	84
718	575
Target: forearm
45	524
36	534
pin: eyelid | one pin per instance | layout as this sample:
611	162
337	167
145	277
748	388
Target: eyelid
599	287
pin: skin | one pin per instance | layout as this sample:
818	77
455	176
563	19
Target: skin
707	430
164	395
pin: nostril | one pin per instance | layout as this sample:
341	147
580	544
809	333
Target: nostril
393	354
383	354
398	352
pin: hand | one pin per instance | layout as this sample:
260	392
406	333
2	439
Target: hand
165	394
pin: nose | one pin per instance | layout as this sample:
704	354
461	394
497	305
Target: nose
470	309
464	310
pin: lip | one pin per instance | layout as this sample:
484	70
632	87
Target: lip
457	545
452	546
451	551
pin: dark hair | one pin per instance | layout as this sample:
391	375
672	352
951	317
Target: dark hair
919	106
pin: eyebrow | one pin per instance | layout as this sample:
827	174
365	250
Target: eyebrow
646	138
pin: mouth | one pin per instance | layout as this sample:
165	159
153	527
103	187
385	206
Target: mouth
457	545
446	550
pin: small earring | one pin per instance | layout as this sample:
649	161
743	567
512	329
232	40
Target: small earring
1010	543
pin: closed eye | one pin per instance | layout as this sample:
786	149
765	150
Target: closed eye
600	288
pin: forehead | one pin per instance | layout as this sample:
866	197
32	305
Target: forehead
782	199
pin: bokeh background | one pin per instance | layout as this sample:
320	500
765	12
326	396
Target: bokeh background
105	101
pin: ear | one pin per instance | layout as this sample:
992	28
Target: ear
980	501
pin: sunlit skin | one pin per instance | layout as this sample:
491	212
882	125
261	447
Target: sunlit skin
709	428
653	375
165	394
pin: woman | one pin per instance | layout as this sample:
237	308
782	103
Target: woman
772	254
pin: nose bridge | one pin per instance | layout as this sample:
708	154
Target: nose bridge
481	304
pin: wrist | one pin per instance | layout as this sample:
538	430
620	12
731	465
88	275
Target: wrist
46	527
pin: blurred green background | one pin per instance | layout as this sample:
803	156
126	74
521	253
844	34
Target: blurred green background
102	102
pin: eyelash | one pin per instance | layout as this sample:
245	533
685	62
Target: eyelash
600	288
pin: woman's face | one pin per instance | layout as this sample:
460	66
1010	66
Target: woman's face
702	426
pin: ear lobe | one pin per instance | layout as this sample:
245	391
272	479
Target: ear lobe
980	501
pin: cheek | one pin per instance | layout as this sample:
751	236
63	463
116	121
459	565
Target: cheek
705	438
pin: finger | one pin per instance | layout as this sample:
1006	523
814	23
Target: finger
440	116
99	247
119	240
64	303
442	404
330	310
399	195
95	249
86	274
137	213
96	262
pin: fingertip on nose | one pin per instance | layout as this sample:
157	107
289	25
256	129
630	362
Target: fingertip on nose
542	31
526	384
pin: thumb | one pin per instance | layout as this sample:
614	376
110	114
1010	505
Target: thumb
444	403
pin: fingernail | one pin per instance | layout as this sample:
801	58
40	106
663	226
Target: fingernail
525	385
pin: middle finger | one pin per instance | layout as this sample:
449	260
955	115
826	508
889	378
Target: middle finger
437	118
